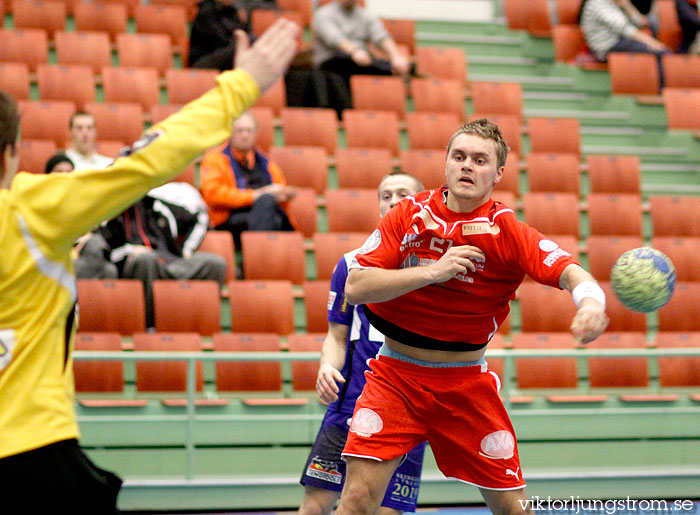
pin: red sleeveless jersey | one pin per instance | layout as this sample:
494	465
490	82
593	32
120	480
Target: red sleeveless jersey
471	306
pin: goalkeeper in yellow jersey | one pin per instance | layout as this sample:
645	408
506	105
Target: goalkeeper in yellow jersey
42	468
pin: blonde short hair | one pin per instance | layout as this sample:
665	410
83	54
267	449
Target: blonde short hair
487	130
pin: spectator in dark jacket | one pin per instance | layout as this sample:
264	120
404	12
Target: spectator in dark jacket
212	44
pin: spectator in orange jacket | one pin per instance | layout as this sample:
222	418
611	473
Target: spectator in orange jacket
243	188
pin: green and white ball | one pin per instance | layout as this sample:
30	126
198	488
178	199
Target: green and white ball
643	279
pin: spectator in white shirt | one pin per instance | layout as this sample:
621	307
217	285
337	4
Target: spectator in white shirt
83	133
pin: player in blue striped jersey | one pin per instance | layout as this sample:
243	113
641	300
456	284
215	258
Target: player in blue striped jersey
350	342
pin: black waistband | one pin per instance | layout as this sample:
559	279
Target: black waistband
412	339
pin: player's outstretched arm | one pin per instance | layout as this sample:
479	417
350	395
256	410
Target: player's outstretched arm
332	360
590	320
379	285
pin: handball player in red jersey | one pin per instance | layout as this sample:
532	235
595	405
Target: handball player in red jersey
436	277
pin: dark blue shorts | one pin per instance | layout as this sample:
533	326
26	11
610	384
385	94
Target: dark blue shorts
325	468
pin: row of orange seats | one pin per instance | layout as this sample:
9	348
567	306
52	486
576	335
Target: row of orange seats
268	306
246	376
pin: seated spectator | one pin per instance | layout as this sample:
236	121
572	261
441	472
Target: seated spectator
342	32
244	189
616	26
91	253
83	134
689	19
212	44
647	9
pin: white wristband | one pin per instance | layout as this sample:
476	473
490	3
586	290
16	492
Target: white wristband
588	289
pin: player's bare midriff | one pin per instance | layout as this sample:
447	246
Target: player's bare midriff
435	356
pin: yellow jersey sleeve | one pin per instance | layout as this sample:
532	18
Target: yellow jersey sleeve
59	208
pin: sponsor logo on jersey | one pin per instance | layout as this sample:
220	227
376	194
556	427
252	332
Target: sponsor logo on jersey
510	472
473	228
331	299
499	445
324	470
548	245
146	140
374	240
554	255
366	422
409	242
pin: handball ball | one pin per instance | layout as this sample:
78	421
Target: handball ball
643	279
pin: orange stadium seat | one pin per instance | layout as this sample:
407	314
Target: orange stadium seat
35	114
221	243
553	172
504	197
490	98
89	48
261	306
262	19
139	85
129	4
329	247
316	127
678	371
39	14
186	306
33	153
683	253
568	41
618	372
316	305
603	251
273	255
428	166
614	174
510	180
567	242
670	31
509	125
442	63
74	83
431	130
352	210
163	19
622	319
403	32
14	80
29	46
145	50
160	112
438	96
119	121
362	167
567	11
247	376
545	372
266	127
554	135
615	214
552	213
682	108
532	16
675	215
681	70
303	166
304	373
110	17
375	129
377	93
184	85
544	309
111	306
109	148
275	97
303	7
166	376
302	211
682	313
98	375
633	74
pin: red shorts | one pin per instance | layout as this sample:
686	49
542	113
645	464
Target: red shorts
457	410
